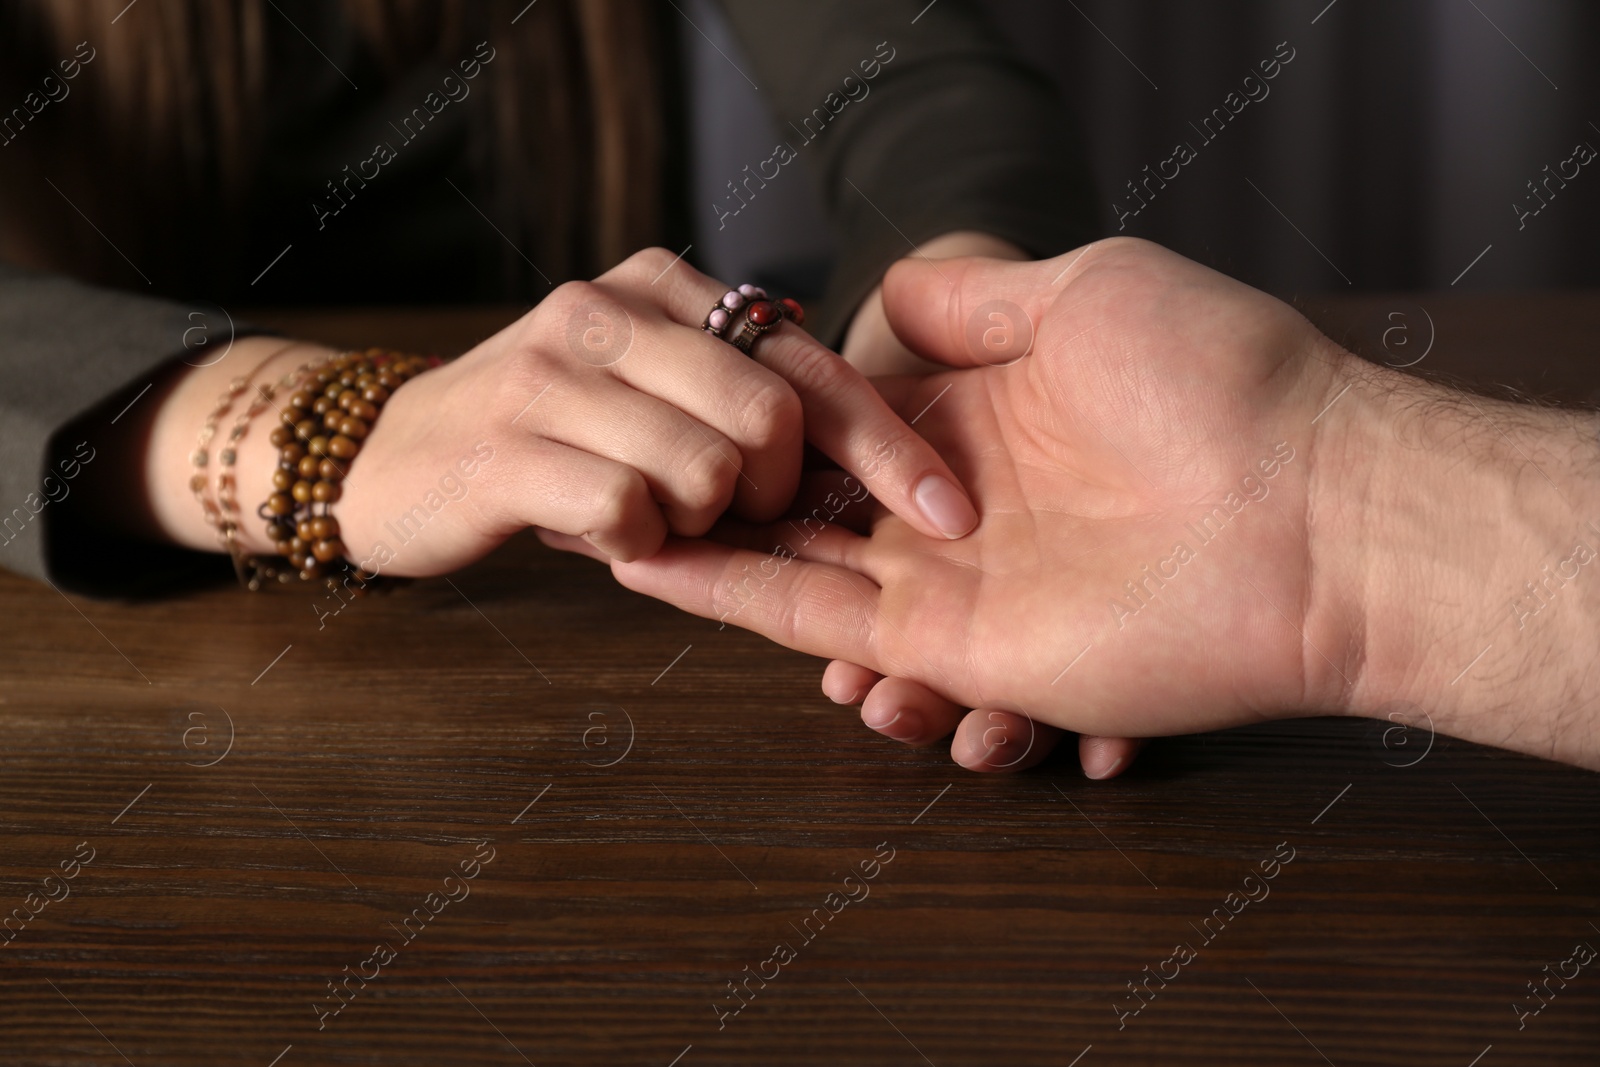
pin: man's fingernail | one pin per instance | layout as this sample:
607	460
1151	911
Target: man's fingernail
855	696
905	727
1099	773
880	717
945	506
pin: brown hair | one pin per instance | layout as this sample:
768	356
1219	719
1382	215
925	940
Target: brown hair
570	140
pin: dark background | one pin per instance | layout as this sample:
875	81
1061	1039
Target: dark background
1396	142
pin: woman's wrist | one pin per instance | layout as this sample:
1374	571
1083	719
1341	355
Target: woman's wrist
1455	539
175	430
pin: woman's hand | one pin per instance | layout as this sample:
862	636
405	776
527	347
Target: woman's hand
605	415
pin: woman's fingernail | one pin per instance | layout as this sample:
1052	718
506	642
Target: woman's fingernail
945	506
1098	773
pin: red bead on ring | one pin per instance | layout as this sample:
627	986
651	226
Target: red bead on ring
761	316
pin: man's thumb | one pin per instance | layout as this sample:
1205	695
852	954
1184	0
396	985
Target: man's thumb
969	311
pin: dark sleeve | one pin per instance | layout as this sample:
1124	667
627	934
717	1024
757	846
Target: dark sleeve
953	133
74	360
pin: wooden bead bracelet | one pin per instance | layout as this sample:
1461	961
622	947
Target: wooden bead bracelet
319	434
222	513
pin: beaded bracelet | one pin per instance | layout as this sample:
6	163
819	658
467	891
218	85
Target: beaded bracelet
250	569
320	433
200	481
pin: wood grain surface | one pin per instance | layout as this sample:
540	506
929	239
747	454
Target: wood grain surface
655	805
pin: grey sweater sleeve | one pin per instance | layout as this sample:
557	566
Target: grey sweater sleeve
67	349
918	120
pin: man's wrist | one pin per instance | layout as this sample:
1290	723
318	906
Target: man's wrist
1457	541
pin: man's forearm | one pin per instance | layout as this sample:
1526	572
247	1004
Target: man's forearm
1459	539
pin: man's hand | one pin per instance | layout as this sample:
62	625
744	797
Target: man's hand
904	711
1196	512
1156	394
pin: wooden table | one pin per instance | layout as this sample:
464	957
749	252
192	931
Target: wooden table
654	805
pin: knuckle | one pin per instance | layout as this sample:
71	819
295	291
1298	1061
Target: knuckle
567	302
731	594
616	504
770	414
898	441
706	475
808	367
792	614
1112	245
585	320
789	622
646	263
1112	250
571	295
816	606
